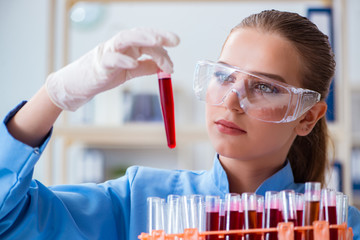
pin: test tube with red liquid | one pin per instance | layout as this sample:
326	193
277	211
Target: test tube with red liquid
260	211
312	206
232	201
212	204
299	201
271	213
289	210
328	209
288	206
259	214
167	107
241	214
222	215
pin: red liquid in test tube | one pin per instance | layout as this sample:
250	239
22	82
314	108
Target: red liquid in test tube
299	221
233	217
167	107
232	204
299	200
299	215
271	213
241	220
222	222
328	210
212	207
259	214
332	220
212	224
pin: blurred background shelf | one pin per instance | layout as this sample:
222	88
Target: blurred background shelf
133	135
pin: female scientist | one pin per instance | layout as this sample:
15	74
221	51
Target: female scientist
261	145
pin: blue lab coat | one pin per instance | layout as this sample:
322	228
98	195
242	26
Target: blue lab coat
115	209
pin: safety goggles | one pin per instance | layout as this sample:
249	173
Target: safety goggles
261	98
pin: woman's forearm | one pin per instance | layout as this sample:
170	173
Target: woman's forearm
34	120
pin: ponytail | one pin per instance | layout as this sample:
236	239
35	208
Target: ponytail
308	155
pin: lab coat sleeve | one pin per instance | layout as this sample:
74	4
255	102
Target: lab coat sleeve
30	210
17	162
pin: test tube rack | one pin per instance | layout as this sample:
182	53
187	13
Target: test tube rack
286	231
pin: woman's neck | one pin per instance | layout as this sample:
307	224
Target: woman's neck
248	175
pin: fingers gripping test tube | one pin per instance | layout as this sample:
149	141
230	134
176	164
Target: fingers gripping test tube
167	107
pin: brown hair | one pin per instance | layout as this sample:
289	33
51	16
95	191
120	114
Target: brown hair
308	154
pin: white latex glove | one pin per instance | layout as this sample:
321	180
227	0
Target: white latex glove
111	64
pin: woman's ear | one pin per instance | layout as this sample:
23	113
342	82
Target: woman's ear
310	118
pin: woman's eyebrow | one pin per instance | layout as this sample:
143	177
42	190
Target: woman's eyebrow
269	75
261	74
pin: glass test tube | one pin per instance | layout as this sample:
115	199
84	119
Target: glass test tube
232	203
271	213
287	198
167	107
339	207
289	212
222	214
200	206
193	212
198	203
345	209
249	202
174	223
155	211
188	212
328	205
212	215
260	211
259	214
299	202
328	209
312	206
241	214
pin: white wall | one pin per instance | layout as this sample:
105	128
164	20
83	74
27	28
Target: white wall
23	48
353	43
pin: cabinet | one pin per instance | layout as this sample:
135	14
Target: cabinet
194	24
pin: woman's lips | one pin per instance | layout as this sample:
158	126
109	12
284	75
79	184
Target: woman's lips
230	128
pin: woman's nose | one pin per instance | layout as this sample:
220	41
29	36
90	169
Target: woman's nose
232	101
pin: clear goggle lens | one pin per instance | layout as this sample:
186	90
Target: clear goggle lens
261	98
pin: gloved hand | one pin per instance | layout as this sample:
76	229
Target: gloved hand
111	64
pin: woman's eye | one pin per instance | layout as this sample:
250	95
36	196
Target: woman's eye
223	77
266	88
